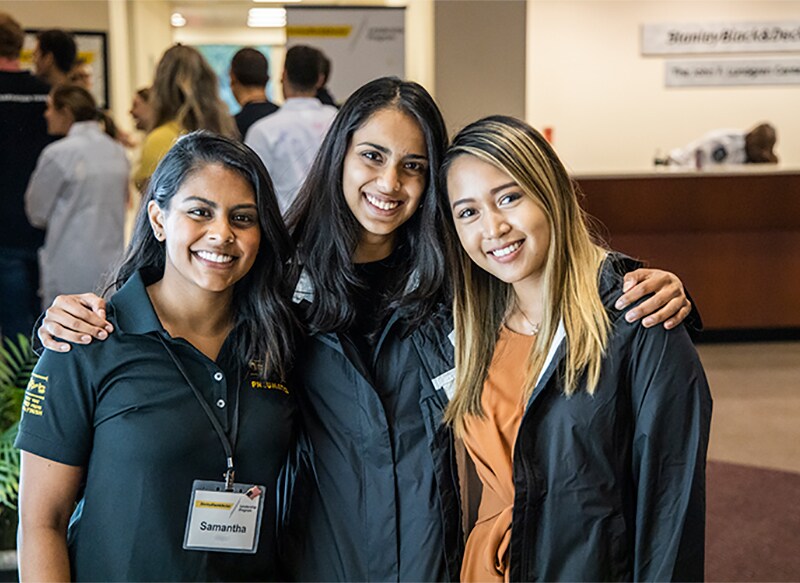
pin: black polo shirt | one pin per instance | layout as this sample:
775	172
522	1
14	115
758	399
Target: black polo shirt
121	409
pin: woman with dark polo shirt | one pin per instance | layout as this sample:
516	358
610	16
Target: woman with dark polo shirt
171	435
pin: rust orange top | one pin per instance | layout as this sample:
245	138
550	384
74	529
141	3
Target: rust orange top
490	443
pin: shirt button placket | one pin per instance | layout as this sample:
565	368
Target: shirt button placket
218	376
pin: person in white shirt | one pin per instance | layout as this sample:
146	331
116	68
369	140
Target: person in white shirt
288	140
78	193
728	147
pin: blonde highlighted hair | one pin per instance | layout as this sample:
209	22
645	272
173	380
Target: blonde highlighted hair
185	89
481	301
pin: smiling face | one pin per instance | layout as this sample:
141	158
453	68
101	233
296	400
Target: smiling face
211	231
502	229
384	178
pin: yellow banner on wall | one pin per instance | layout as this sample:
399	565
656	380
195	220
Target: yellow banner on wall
320	31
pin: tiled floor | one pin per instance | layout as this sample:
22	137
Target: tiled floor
756	392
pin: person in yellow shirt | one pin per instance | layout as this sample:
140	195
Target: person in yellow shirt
185	98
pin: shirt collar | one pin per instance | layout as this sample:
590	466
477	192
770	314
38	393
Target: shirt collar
302	103
133	311
83	127
304	290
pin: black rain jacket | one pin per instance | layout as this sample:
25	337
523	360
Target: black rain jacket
611	487
341	517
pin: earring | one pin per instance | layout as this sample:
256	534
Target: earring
158	235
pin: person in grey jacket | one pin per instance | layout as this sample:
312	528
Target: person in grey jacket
78	192
589	434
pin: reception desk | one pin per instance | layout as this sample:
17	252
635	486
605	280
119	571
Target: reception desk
732	235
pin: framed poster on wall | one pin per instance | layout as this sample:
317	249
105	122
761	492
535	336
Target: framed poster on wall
92	50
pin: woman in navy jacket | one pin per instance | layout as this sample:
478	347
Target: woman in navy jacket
589	434
378	499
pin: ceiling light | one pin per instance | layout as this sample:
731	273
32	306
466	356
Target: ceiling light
277	1
177	19
266	18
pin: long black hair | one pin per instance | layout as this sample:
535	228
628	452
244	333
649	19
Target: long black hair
262	310
327	233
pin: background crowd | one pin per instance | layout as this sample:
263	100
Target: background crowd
69	174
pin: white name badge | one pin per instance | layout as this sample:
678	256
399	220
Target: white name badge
224	521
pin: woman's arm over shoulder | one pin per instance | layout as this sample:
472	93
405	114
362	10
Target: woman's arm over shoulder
47	494
672	416
667	301
72	319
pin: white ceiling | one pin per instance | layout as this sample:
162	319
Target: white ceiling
233	13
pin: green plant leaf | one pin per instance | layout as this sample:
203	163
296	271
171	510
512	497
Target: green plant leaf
16	364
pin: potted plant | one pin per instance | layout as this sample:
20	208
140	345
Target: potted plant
16	363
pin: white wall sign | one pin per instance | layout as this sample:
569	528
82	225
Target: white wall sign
718	37
362	43
709	73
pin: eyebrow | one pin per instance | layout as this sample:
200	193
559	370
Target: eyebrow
492	192
211	203
386	150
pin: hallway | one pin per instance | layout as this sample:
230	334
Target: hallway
753	475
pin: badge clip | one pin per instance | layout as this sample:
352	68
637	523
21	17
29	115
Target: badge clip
230	474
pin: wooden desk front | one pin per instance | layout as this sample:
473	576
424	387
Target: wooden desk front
733	238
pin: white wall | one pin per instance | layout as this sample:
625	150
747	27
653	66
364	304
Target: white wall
608	105
479	59
73	14
419	43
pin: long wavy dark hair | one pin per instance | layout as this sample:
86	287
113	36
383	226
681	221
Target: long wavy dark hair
327	233
262	309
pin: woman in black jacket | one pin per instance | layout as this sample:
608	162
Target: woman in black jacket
373	492
589	434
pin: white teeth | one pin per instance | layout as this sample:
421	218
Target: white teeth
214	257
506	250
383	205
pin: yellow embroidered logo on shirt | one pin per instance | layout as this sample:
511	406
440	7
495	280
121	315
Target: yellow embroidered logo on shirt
254	384
33	403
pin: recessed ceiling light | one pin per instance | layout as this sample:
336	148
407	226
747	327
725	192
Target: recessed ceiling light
177	19
266	18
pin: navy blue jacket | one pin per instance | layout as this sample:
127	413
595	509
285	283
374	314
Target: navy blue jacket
611	487
374	494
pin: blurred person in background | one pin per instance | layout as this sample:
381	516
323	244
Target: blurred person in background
23	136
288	140
755	146
324	74
142	110
78	193
184	97
249	74
82	74
54	56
